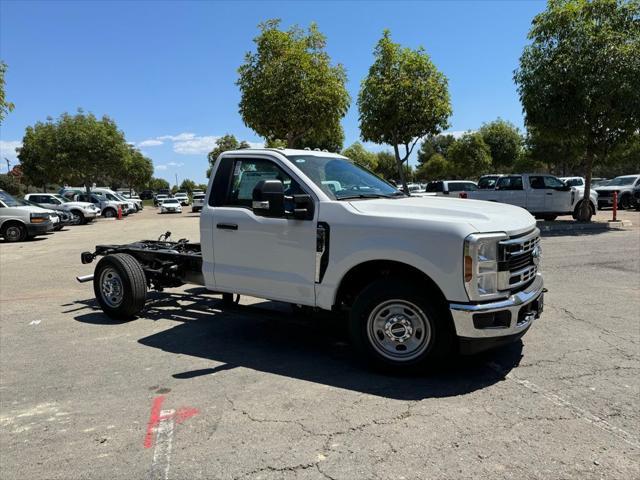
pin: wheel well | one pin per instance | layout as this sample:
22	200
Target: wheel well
8	223
363	274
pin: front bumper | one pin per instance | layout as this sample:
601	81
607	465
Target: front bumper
503	319
39	228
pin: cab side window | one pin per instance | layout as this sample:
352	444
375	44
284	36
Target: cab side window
537	182
553	182
247	173
510	183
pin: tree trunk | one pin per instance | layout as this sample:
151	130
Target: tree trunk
584	213
400	165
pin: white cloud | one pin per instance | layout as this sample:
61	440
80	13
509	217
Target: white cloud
8	149
160	167
152	142
181	137
175	164
457	133
256	144
195	145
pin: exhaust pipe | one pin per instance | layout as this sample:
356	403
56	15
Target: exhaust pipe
85	278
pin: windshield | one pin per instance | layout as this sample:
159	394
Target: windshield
340	178
10	201
61	198
619	181
170	200
574	182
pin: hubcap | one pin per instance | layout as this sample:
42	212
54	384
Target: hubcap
13	233
111	287
398	330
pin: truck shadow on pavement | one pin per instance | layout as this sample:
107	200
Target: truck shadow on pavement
268	337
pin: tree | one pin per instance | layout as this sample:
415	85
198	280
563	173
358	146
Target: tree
223	144
504	142
5	105
289	87
470	156
387	166
156	184
579	78
330	138
435	144
436	168
403	98
11	185
549	153
137	170
74	149
188	186
361	155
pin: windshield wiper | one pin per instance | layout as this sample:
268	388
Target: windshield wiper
364	195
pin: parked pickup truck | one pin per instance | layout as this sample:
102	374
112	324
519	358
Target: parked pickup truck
415	277
545	196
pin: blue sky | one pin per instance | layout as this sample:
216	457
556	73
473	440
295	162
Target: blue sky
166	70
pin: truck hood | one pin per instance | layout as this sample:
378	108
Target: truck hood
611	188
480	215
78	204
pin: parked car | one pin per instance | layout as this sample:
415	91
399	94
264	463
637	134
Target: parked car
198	202
146	195
599	182
85	211
159	198
170	205
183	198
447	187
635	201
129	206
623	185
415	188
20	221
108	208
133	198
59	218
415	278
545	196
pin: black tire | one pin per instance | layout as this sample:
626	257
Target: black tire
549	218
109	213
80	215
125	280
625	202
58	227
436	341
228	301
14	232
576	211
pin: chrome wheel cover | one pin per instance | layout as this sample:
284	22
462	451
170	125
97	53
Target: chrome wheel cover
111	287
398	330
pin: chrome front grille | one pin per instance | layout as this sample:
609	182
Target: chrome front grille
518	261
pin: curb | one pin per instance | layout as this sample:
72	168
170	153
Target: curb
589	227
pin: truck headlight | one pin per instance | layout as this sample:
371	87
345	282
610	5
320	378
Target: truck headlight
481	265
39	217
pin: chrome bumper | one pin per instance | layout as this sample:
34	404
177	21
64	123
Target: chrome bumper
463	313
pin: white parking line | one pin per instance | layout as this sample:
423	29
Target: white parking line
164	441
574	409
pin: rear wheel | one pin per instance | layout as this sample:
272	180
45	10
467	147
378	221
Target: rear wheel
398	325
109	213
625	201
120	286
576	211
14	232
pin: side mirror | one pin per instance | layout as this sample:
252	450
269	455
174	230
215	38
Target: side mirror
268	198
302	207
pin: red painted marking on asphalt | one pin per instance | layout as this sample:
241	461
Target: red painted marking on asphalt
154	420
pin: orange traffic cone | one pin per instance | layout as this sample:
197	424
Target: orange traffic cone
119	212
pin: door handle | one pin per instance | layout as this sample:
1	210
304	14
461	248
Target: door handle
227	226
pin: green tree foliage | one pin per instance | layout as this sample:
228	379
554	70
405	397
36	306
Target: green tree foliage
289	89
156	184
544	153
387	167
137	170
275	143
402	99
330	139
75	149
11	185
470	156
436	168
505	143
579	78
434	144
223	144
361	155
188	186
5	105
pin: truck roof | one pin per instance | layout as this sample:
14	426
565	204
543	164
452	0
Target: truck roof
285	151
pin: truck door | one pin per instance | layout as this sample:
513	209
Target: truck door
511	190
536	194
270	258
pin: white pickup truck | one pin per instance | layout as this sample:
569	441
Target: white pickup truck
545	196
416	278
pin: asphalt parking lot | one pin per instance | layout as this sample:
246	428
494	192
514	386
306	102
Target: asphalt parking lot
191	391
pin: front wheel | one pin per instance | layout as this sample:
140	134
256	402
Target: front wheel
625	202
14	232
80	215
400	326
109	213
120	286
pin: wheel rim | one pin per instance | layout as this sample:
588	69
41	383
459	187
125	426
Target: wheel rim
13	233
398	330
111	287
109	213
625	202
